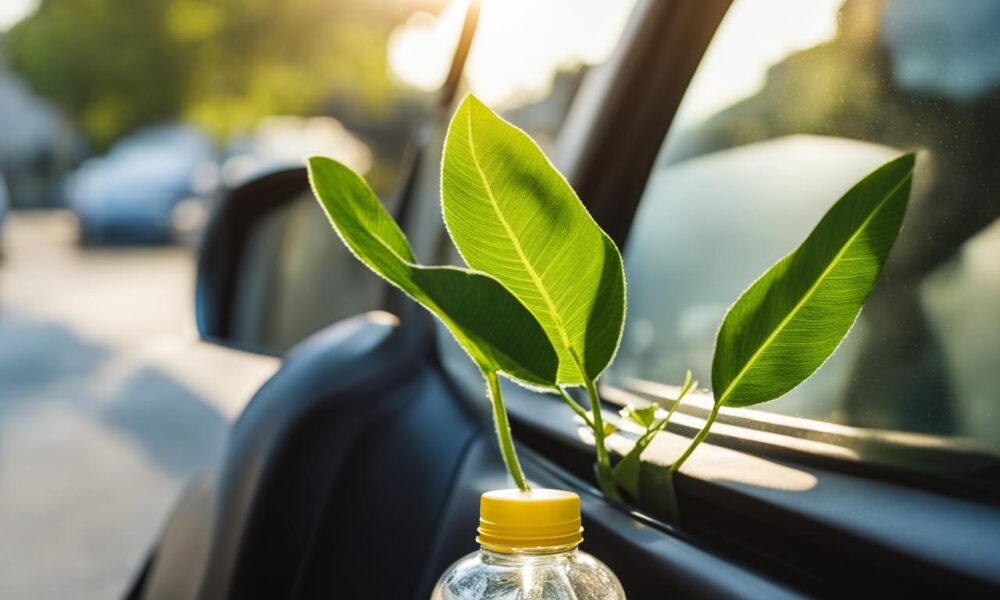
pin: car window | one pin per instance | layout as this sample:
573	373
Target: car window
792	103
296	278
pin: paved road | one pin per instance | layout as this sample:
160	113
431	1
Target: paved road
99	422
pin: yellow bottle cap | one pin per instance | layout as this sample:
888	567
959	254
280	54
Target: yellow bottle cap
536	521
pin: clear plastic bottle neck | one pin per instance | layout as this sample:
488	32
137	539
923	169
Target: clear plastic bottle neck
538	556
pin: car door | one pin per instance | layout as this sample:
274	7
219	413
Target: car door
355	470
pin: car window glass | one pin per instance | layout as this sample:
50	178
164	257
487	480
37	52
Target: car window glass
296	277
793	103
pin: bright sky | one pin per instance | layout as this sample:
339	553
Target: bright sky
12	11
519	44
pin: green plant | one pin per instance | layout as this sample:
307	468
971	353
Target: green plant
514	216
550	287
785	326
493	327
790	321
544	301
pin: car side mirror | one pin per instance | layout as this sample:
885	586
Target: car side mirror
270	273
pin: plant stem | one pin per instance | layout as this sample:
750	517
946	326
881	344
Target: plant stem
576	407
698	438
503	431
595	410
605	476
598	418
673	408
662	423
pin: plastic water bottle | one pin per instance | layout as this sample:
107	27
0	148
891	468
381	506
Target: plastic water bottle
529	551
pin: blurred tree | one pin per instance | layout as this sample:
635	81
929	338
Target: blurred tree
257	57
115	65
109	64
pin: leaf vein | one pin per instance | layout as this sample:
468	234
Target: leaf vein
812	289
536	280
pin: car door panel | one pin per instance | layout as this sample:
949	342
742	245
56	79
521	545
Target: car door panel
356	472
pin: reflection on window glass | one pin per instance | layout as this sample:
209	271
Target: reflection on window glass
296	278
794	101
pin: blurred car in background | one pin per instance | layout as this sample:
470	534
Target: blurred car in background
4	206
131	195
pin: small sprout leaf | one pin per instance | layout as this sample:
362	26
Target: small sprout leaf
644	416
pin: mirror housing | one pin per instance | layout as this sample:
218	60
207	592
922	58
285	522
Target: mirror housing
225	243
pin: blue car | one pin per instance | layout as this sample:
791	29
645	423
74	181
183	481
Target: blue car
4	207
129	196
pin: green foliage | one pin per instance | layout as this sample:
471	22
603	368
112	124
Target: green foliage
643	417
512	214
546	302
115	65
628	469
109	66
520	225
490	324
261	58
792	319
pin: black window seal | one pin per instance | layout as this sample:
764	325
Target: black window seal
952	466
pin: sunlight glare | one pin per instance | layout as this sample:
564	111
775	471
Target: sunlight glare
13	11
519	47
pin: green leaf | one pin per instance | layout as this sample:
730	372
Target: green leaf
629	468
642	417
497	331
671	405
513	215
792	319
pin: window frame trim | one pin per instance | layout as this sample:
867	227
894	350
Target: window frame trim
630	102
948	466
